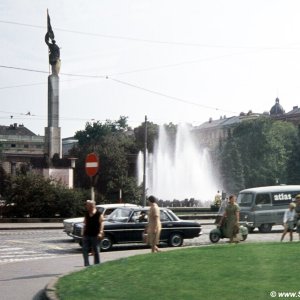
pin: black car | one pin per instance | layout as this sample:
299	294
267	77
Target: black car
127	224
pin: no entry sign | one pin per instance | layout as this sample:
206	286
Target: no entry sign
91	164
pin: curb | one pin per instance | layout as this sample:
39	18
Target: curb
50	289
30	228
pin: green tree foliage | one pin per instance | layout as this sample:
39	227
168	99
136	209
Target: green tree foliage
33	195
115	146
152	134
261	150
232	168
293	165
5	183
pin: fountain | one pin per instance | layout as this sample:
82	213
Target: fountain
180	170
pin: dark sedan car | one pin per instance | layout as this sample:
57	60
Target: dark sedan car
126	225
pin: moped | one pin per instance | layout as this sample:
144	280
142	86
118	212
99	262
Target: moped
221	232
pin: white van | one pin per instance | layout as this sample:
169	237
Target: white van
264	207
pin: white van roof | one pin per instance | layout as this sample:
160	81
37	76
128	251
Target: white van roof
273	189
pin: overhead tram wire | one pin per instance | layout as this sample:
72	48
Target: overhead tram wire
130	85
161	42
168	96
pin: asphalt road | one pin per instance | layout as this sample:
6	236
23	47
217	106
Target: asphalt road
30	259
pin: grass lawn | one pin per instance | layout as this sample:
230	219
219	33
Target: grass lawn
231	271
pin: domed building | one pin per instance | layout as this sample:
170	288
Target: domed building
277	109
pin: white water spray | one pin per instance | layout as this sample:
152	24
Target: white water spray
180	171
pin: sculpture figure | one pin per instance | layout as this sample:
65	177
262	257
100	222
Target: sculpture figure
54	51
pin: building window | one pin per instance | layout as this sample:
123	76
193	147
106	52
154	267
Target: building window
26	146
13	145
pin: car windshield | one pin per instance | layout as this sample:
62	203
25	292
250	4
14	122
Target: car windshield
245	199
119	215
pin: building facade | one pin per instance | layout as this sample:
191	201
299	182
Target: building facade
19	145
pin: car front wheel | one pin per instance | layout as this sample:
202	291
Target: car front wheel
175	240
106	243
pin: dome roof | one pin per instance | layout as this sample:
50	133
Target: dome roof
277	109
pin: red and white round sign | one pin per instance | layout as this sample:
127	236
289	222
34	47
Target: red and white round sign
91	164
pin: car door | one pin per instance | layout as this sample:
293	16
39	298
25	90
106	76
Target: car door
136	226
168	226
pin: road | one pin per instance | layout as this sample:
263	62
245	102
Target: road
29	259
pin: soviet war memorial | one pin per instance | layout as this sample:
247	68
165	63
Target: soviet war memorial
149	150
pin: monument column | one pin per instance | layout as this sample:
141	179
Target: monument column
52	132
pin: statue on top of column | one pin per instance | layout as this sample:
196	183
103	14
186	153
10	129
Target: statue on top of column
54	51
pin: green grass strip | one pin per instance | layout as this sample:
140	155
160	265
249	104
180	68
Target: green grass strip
242	271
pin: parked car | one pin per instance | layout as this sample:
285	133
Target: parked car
105	209
126	225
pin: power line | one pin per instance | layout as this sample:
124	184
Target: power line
136	87
135	39
168	96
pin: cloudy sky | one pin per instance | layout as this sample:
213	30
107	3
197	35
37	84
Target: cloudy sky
172	60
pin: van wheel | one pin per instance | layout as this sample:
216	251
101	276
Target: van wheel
265	228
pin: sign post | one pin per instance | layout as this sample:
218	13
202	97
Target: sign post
91	169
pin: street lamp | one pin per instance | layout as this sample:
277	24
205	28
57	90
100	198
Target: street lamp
73	165
2	204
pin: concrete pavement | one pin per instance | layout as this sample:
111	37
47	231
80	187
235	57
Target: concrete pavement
24	226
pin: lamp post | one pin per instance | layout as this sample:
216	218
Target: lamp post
2	204
73	165
145	164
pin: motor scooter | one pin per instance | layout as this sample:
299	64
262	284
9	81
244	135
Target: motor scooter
221	232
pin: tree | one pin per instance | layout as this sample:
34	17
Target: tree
232	168
152	134
293	164
115	145
265	147
34	196
5	182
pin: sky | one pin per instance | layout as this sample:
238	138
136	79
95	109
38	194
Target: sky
170	60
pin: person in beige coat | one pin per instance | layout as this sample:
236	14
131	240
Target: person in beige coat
154	224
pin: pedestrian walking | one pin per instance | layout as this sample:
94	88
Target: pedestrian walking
297	211
288	221
93	232
154	224
231	218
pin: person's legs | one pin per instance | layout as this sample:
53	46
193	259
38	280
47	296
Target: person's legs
96	249
284	233
151	241
85	250
291	235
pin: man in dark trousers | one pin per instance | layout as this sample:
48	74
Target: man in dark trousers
93	232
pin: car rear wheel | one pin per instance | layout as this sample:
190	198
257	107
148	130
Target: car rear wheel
106	243
265	228
214	237
175	240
